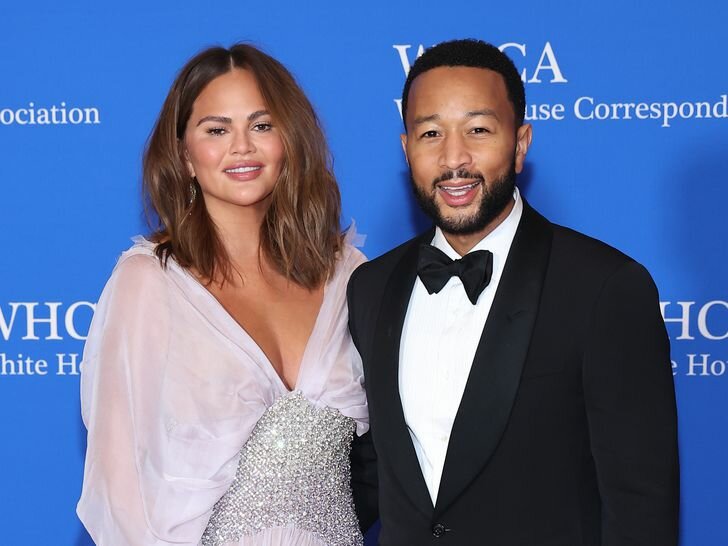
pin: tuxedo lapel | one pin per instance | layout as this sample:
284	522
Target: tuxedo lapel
496	371
384	393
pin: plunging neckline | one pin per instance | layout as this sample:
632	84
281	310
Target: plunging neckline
268	364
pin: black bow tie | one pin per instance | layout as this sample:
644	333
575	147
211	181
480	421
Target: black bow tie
435	268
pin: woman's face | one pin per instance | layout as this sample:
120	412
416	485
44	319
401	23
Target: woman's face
232	145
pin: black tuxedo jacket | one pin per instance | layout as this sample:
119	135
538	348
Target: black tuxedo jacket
566	433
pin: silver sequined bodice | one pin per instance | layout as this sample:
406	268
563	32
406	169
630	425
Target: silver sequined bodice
294	470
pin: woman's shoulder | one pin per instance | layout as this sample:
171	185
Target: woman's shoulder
140	247
139	266
136	295
351	256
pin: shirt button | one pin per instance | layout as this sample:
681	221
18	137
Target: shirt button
438	530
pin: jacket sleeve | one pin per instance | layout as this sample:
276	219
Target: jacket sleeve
631	411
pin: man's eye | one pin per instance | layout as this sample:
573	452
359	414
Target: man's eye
429	134
216	131
480	130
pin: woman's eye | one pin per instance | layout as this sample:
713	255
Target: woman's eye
262	127
216	131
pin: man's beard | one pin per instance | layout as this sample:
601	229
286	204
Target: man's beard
494	198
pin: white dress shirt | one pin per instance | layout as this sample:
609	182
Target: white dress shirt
439	338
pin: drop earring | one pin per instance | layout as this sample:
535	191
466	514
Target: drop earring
193	190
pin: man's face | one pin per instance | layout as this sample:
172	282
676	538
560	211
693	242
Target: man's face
462	146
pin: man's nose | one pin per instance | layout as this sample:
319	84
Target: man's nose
455	153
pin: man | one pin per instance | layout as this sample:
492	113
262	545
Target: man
518	373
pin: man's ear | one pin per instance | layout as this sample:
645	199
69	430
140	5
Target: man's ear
524	134
403	139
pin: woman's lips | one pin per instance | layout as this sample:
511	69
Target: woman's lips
244	172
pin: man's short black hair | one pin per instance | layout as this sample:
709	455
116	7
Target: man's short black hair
472	53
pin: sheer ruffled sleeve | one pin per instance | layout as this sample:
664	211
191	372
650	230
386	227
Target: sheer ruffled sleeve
148	480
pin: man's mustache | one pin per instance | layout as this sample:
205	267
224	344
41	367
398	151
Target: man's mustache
460	173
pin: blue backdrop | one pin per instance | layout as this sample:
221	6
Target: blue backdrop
628	102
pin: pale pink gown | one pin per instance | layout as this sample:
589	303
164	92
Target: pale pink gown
173	390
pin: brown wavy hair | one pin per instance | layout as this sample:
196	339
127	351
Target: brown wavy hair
300	232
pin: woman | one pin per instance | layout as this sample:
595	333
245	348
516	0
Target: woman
220	386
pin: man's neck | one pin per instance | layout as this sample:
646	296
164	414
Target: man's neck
463	243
